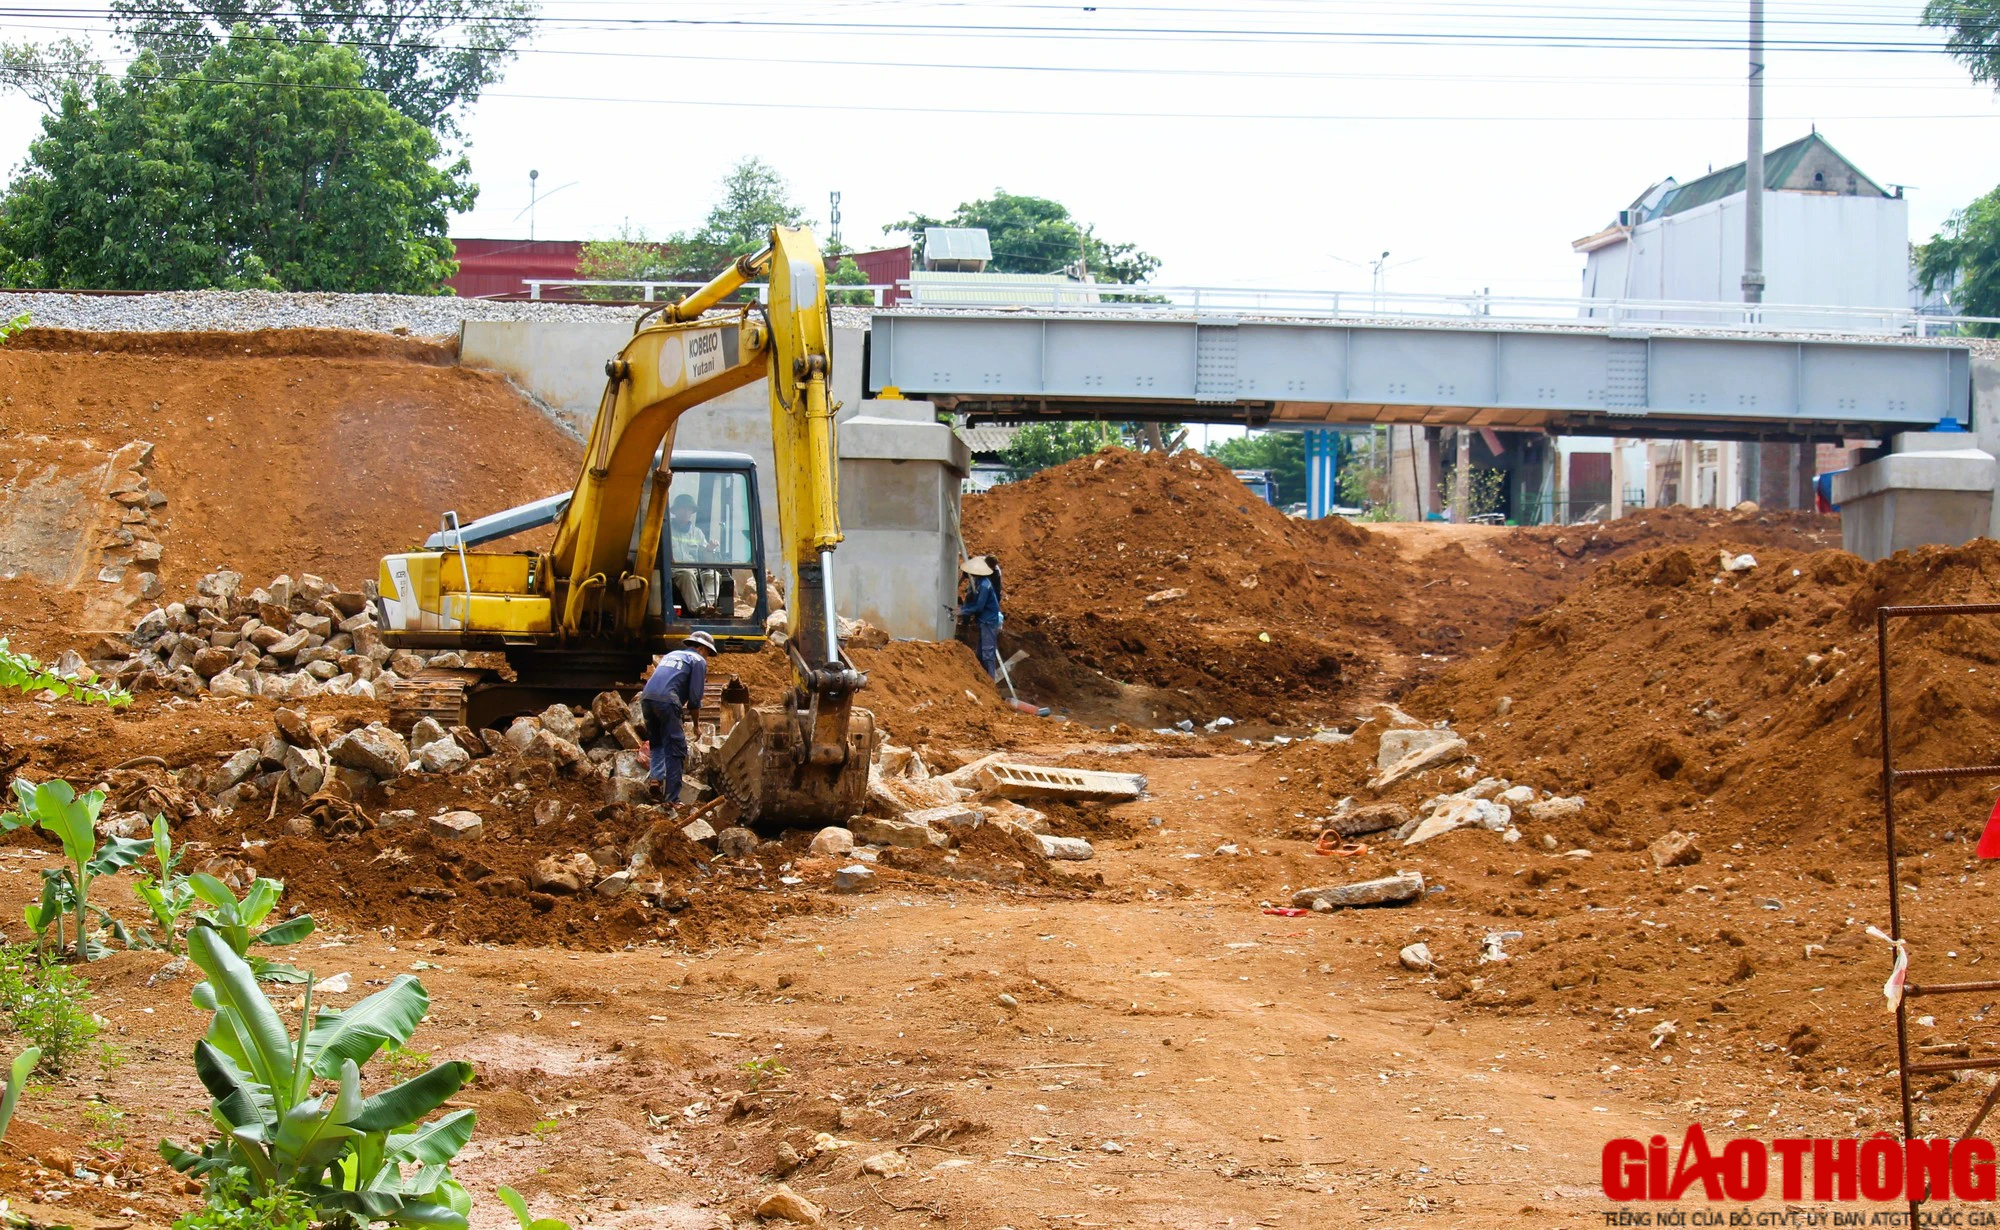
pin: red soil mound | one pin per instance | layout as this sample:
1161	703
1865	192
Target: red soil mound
1278	618
297	450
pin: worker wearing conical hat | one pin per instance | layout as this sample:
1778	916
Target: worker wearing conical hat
981	608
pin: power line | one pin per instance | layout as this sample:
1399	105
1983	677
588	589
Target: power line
1088	70
1171	34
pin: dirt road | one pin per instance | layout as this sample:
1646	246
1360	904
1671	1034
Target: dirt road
1172	1056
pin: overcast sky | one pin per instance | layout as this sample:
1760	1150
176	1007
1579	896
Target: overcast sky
1267	143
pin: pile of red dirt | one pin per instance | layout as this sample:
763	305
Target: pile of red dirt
1745	703
300	450
1155	588
1168	572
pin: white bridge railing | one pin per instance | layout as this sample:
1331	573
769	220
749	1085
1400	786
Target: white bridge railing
650	291
936	291
975	294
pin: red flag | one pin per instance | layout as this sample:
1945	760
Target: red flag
1989	841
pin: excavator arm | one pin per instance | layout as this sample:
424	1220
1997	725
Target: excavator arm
806	759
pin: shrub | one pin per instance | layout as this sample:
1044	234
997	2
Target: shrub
48	1004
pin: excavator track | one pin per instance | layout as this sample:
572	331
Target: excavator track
439	694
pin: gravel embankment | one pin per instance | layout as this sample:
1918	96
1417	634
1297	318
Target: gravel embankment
240	311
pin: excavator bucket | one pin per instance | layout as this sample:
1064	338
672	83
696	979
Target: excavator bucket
765	767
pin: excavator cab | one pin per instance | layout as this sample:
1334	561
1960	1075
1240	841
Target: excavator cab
712	570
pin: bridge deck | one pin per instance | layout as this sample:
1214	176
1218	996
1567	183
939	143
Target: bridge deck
1563	378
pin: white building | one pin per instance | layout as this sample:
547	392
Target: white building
1833	237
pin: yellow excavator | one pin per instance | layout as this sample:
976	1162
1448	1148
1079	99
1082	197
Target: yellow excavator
652	545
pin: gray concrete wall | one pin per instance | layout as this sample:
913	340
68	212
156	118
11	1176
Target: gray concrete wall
1931	488
1986	419
900	470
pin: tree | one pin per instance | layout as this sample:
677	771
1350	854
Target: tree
1283	453
1974	40
1964	258
432	58
271	167
754	199
47	72
1041	445
1031	234
846	273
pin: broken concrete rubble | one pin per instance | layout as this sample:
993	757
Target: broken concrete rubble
1430	755
1459	812
1025	781
1675	849
1390	890
904	832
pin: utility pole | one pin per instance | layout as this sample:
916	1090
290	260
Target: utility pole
834	221
532	177
1750	465
1753	166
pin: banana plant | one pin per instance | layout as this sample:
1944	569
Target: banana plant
512	1199
171	895
369	1158
56	807
17	1080
236	920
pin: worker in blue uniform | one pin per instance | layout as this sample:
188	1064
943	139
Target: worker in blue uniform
672	695
981	609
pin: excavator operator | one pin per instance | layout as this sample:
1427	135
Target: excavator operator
690	545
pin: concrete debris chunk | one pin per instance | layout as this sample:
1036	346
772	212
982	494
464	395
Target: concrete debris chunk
1556	809
1417	958
953	818
373	748
1012	815
896	795
833	842
564	876
1009	780
1164	596
700	832
907	833
1371	818
234	769
1518	796
1738	563
306	768
967	776
1073	849
457	825
427	731
736	842
1675	849
443	756
1390	890
853	878
1396	744
1429	757
888	1165
560	722
1458	812
521	733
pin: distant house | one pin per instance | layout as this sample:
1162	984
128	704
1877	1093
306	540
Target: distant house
1833	237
